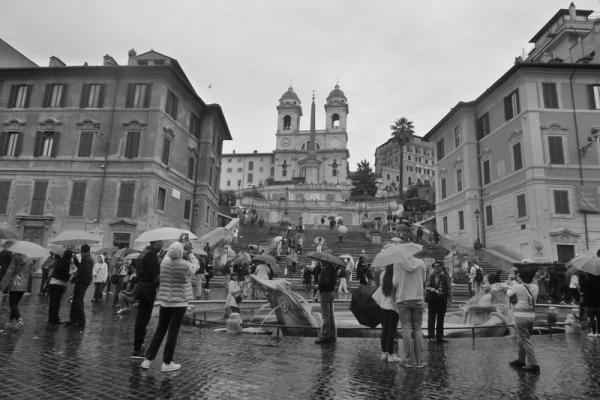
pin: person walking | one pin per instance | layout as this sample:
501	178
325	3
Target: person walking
82	279
342	274
523	301
319	246
327	280
99	275
173	296
58	285
387	301
147	268
411	278
437	295
15	281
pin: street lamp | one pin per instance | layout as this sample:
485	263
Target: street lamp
478	241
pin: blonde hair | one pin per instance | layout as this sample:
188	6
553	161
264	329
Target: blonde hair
175	251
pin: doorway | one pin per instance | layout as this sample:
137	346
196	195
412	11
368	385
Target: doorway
565	252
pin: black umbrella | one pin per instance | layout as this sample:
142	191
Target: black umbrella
364	307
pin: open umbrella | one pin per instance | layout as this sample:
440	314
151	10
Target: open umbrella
393	253
200	252
345	256
326	257
316	240
131	256
365	309
588	264
342	229
277	238
7	234
56	249
264	258
30	249
167	233
241	258
396	240
106	250
74	238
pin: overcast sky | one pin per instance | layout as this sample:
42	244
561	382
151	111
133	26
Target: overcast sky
393	58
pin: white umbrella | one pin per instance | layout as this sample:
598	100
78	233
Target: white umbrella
393	253
277	239
168	233
396	240
30	249
342	229
131	256
74	238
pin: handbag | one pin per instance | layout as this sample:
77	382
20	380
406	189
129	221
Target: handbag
238	299
513	298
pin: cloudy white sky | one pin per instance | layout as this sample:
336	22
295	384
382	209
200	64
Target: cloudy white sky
392	58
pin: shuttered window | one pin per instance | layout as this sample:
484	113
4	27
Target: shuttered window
521	206
77	199
440	149
555	150
594	96
19	96
4	196
85	144
483	126
195	125
561	202
461	220
443	183
489	216
92	95
171	106
191	165
161	199
166	151
132	144
517	156
125	202
46	144
11	144
38	201
511	105
138	95
55	95
486	172
187	208
550	95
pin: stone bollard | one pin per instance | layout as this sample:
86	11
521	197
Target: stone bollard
234	324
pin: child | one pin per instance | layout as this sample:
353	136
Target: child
127	295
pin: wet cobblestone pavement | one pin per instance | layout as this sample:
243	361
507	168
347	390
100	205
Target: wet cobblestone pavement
67	363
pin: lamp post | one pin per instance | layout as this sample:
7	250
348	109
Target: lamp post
478	241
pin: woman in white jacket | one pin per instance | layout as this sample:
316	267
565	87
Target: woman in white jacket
99	276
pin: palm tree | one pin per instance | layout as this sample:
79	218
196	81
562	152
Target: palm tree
402	132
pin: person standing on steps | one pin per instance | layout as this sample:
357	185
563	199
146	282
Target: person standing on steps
147	268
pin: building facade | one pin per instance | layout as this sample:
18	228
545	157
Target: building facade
418	165
518	169
114	150
246	170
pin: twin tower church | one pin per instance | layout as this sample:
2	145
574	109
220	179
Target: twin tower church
308	164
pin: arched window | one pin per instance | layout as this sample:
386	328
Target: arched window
334	168
305	146
287	122
335	121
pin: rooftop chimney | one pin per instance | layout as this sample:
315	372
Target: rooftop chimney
56	62
572	11
109	61
131	60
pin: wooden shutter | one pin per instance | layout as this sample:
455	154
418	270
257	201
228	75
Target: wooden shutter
3	143
63	97
85	92
77	199
19	144
85	144
148	95
132	144
13	96
39	142
166	151
28	95
591	98
55	142
38	201
47	95
125	203
4	195
101	96
507	108
130	93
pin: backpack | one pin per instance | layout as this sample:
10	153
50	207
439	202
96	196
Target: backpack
478	274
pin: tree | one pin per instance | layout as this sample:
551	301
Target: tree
402	132
363	180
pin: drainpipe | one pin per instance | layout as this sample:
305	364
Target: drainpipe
107	147
585	223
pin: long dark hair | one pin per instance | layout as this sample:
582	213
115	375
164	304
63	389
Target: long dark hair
388	280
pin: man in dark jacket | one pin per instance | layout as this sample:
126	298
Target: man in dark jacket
147	267
82	279
327	280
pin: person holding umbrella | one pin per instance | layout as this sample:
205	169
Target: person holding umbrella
15	282
82	279
58	286
327	280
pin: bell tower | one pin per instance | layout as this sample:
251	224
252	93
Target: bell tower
336	110
289	112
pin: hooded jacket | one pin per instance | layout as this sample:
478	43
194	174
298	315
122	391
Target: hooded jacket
411	278
17	275
175	288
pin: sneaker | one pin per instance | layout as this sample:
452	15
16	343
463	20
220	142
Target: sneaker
146	363
170	367
19	324
531	368
408	364
384	356
394	358
138	353
591	334
517	363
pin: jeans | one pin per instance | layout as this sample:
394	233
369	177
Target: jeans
77	314
13	303
146	296
169	318
98	290
594	319
55	296
411	320
118	287
343	286
436	310
328	327
523	326
389	326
